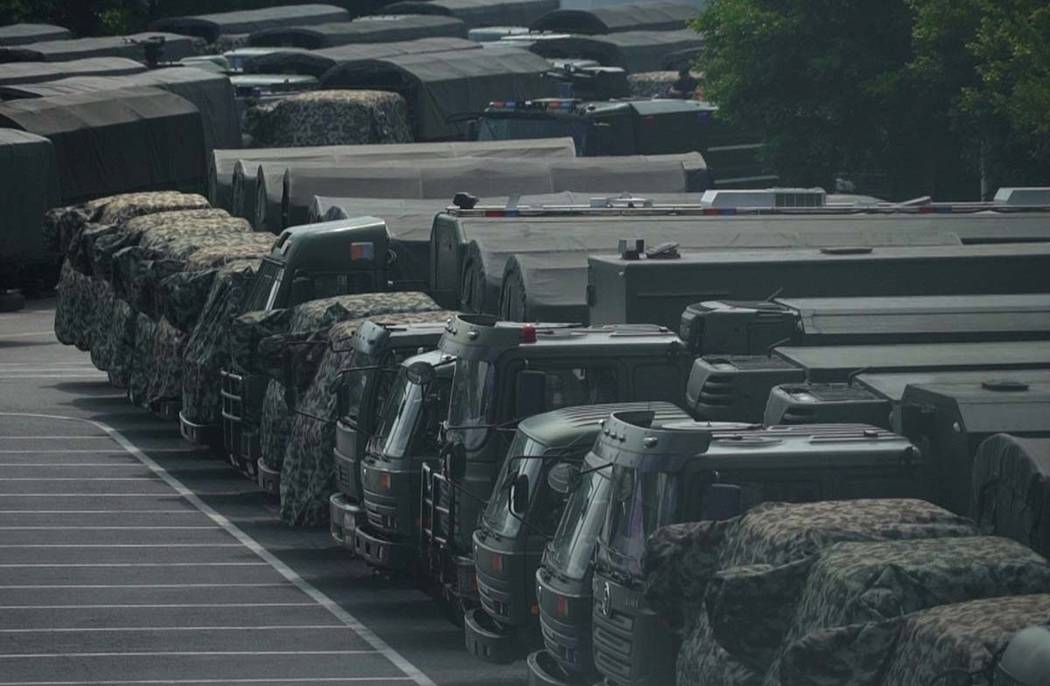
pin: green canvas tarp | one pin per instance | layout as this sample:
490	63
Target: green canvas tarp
132	47
439	85
634	51
478	13
386	28
318	62
211	93
211	26
28	189
22	34
39	72
647	16
118	141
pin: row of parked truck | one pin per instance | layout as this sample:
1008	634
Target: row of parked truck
517	469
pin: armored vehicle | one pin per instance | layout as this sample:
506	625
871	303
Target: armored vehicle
663	474
378	352
623	288
737	387
632	127
521	516
752	328
381	527
949	422
506	372
306	263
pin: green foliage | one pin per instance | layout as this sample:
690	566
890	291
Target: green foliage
904	97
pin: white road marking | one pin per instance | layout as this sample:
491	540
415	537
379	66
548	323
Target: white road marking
78	478
108	528
186	511
52	438
120	545
195	653
135	564
27	334
63	465
99	587
160	606
123	629
151	682
412	672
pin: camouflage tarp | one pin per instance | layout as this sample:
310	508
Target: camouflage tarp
756	610
70	287
119	343
62	223
941	646
651	84
164	376
1011	489
329	118
140	368
101	346
681	559
206	352
305	339
307	477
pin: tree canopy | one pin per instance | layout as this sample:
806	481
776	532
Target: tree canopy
901	97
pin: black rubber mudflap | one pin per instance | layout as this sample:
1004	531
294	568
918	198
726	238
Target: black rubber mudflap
269	479
488	640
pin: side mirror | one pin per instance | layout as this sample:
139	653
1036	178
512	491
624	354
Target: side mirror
421	373
457	462
302	290
519	495
563	477
530	394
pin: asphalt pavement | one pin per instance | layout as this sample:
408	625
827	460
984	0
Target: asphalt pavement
129	556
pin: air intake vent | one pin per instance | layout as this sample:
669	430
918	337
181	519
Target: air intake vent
770	198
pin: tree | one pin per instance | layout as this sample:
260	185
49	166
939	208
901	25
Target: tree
906	97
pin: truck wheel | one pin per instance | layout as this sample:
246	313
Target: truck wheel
11	301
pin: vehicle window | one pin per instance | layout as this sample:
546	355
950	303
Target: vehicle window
329	285
659	381
570	386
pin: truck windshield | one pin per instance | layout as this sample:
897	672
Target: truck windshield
573	543
411	417
355	382
498	517
640	503
518	128
265	286
472	384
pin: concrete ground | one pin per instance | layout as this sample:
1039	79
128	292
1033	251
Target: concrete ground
129	556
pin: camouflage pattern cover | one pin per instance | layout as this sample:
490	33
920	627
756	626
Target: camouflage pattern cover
681	559
943	646
164	377
105	304
651	84
119	343
69	287
337	117
756	610
62	223
140	368
206	352
1011	489
310	323
307	477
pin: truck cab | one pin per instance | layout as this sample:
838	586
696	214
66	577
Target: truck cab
662	474
633	127
406	438
521	516
378	351
506	372
306	263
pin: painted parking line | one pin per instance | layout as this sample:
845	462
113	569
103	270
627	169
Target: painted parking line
408	671
193	682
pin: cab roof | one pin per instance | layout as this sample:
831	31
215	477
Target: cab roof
559	428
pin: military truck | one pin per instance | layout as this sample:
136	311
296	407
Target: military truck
752	328
666	473
378	353
505	372
376	512
737	387
521	516
306	263
633	127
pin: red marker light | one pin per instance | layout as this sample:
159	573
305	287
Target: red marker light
384	480
496	561
528	333
563	606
